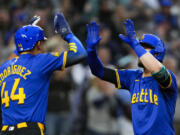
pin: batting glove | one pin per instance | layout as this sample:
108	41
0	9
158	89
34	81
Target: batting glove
93	37
130	37
61	26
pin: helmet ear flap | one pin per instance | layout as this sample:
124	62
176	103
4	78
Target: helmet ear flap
156	54
160	46
152	51
161	50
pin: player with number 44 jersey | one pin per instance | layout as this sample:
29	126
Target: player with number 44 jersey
24	80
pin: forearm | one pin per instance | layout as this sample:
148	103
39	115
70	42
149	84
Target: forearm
150	62
98	69
76	52
96	66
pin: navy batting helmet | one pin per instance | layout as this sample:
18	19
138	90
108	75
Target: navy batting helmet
156	43
27	36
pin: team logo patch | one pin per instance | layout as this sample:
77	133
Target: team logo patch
20	45
142	37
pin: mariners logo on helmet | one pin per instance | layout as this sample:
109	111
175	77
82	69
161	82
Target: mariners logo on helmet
158	50
27	36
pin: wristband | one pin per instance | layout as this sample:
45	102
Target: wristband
140	51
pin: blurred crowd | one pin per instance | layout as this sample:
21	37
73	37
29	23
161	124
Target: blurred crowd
79	103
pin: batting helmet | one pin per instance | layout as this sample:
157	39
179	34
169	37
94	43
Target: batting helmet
158	46
27	36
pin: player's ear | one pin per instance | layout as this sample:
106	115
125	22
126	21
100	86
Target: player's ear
38	44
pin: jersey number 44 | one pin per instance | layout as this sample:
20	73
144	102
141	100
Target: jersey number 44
13	97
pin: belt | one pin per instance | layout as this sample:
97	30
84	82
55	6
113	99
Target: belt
23	125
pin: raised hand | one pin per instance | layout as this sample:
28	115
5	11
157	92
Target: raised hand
61	26
93	37
130	29
130	37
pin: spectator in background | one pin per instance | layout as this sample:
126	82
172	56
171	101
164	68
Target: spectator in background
58	114
79	4
19	17
174	50
111	45
166	22
171	63
120	13
78	104
4	23
102	103
44	9
106	10
140	11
